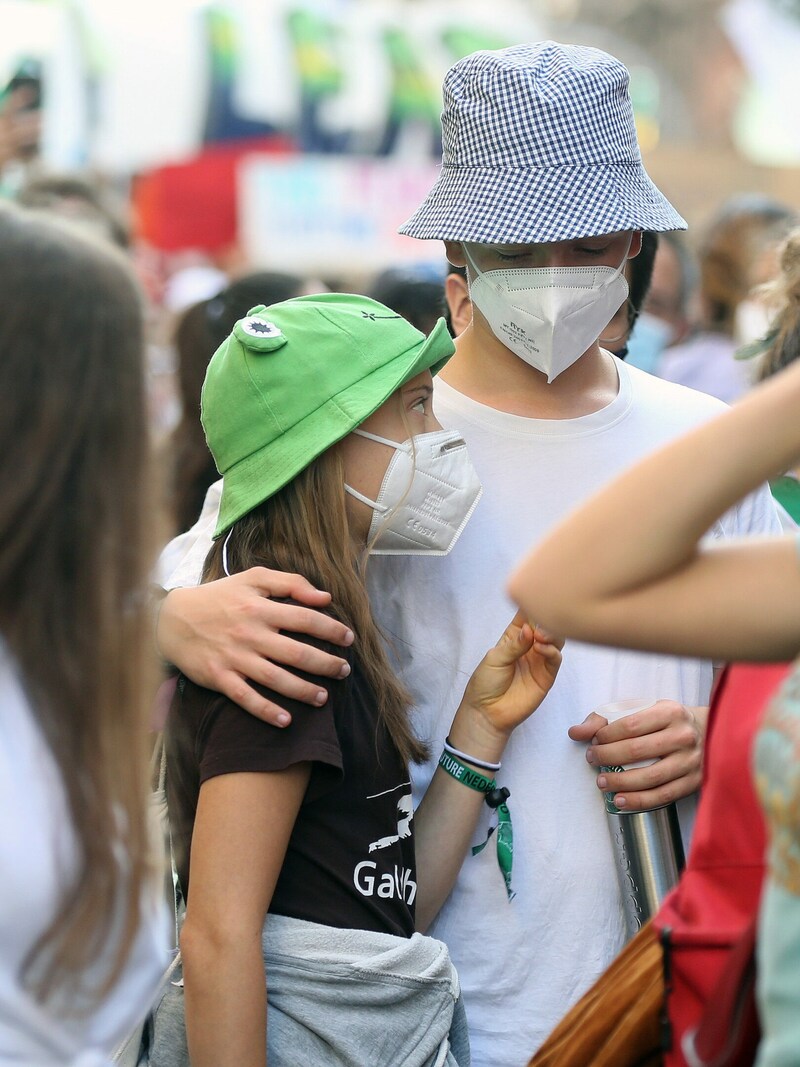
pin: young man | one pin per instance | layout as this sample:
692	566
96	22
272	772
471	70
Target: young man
543	197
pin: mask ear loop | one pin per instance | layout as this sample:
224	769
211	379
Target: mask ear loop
631	315
387	512
225	554
621	267
475	269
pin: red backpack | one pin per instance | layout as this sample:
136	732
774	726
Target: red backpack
707	923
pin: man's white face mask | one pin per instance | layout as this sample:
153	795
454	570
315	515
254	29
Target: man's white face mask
428	493
548	316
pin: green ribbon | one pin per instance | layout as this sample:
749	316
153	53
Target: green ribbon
496	799
505	846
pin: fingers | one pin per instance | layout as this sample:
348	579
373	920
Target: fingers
546	638
658	731
276	583
294	619
585	731
517	639
257	630
540	634
667	734
224	632
237	689
520	639
303	657
659	716
664	782
551	654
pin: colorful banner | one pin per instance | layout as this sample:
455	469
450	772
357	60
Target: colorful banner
332	214
133	86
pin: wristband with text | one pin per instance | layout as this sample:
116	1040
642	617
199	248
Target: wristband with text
496	798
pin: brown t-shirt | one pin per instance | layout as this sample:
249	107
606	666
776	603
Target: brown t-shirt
350	860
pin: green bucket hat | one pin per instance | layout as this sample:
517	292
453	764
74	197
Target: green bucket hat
294	378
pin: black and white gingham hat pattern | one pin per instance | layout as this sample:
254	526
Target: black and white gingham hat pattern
539	145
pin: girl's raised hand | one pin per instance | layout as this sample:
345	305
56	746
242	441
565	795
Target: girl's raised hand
515	676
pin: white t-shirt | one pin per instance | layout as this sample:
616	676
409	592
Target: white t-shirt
523	963
37	858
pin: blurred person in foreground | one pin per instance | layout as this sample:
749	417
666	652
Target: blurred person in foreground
659	586
716	900
81	928
544	218
736	255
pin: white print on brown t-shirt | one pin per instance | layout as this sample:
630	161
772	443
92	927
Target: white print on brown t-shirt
399	884
405	813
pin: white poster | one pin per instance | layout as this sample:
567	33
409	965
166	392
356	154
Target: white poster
318	214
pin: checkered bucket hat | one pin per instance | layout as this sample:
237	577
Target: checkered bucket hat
539	145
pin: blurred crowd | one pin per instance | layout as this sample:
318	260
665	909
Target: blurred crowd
697	311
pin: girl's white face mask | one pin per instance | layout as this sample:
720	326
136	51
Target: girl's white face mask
428	493
548	316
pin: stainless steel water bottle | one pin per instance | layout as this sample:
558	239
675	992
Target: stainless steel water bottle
648	850
648	847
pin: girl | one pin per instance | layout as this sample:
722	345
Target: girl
307	860
83	940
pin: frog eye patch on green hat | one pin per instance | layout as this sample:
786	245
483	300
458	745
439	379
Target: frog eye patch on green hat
294	378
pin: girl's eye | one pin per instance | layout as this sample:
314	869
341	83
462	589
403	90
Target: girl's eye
419	406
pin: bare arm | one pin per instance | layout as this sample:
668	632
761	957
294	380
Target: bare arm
224	633
628	568
508	686
240	837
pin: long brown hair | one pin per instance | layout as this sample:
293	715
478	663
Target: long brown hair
742	231
304	528
783	295
73	438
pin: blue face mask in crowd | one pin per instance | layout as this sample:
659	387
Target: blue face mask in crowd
649	338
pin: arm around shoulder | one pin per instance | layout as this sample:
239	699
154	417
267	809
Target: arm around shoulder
224	633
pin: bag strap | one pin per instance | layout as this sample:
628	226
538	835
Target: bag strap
729	1031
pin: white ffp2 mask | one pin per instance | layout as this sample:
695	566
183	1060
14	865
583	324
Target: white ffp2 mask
548	316
428	493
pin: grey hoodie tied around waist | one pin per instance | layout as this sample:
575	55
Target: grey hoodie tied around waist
345	998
